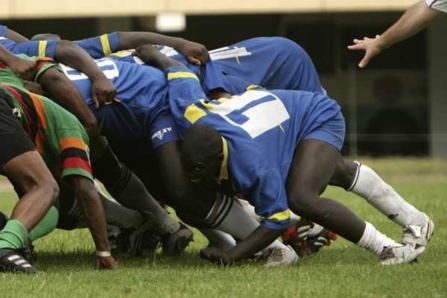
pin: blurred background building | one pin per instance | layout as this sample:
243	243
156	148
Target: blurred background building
397	106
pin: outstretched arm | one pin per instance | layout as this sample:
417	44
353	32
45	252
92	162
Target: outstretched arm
255	242
195	53
93	211
61	89
415	18
72	55
151	56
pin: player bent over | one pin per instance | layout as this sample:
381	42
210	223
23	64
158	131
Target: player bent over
278	149
62	141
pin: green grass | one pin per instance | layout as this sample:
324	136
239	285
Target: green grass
341	270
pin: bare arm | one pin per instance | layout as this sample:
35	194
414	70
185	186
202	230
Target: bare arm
25	69
67	95
194	52
415	18
15	36
93	212
151	56
256	241
74	56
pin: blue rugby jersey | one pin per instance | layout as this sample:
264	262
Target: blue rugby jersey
42	48
262	129
100	46
141	90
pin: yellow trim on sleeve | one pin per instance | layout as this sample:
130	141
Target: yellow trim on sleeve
181	75
254	87
280	215
105	44
122	53
42	48
193	113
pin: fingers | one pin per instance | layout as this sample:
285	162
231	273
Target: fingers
195	60
95	100
364	61
105	263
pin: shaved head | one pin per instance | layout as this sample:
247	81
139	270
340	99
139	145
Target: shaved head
202	155
201	142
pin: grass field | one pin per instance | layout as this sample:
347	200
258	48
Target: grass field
341	270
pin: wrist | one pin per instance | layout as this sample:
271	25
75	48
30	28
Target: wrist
383	43
103	253
10	59
97	76
177	42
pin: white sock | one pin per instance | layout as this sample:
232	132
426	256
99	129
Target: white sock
294	218
230	217
219	239
240	220
249	209
374	241
384	198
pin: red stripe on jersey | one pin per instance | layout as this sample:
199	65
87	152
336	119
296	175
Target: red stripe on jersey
76	162
42	61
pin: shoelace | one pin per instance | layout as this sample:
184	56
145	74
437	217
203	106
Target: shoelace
387	253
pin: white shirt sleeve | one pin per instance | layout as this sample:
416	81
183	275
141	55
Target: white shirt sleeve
440	5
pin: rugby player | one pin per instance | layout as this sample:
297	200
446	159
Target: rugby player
228	146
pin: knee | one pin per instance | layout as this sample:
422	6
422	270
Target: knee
49	190
344	173
304	204
53	192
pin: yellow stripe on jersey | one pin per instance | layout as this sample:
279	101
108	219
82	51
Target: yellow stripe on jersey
282	128
105	44
222	99
193	113
42	48
280	216
223	175
253	87
123	53
181	75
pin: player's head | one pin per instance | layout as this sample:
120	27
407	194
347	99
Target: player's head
46	36
202	155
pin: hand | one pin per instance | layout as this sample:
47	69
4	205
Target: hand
216	256
25	69
371	46
105	263
149	55
33	87
103	91
195	53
